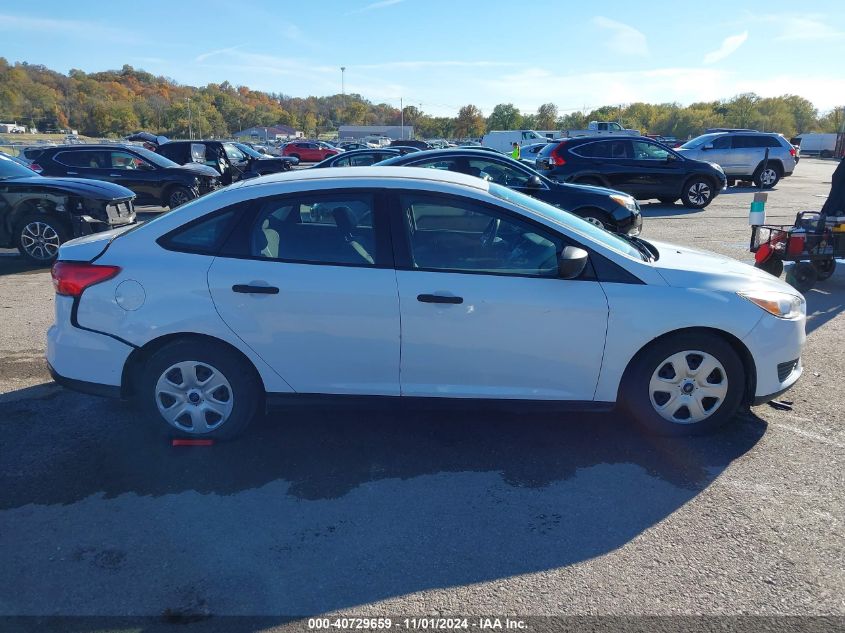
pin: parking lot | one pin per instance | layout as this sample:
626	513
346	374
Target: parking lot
415	511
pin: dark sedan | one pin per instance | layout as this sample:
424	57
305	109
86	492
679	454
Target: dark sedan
360	157
636	165
156	180
610	209
38	214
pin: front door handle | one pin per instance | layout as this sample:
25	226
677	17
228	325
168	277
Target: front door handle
439	299
255	290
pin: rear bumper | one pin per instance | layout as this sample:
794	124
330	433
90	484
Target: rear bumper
82	386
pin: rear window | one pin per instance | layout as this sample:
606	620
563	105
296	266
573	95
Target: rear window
548	149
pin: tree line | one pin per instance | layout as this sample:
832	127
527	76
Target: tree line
119	102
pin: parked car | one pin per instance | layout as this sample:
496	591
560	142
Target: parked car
349	146
359	157
417	144
528	153
231	161
638	166
38	214
156	180
742	155
420	283
309	151
609	209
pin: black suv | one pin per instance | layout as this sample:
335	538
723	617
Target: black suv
637	165
155	179
232	161
612	210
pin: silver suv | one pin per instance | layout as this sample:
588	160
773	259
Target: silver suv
742	155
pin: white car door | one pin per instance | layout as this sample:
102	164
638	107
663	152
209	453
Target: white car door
308	285
483	311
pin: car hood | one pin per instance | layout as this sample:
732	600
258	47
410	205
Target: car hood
604	191
85	187
684	267
200	170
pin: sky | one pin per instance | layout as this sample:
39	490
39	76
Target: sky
439	55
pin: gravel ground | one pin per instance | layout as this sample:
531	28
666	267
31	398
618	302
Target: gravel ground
414	511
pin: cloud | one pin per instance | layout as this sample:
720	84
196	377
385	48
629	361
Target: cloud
624	39
381	4
729	47
220	51
72	28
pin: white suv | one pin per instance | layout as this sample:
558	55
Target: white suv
742	155
381	281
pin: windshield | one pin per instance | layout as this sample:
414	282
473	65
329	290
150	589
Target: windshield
698	141
11	169
569	220
246	149
155	159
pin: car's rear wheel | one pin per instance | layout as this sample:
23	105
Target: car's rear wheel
768	177
178	196
199	390
685	384
698	193
39	235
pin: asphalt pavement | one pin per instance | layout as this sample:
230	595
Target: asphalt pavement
407	510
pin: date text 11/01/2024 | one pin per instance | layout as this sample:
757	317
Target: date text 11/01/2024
430	624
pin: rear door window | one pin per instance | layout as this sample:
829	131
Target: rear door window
91	159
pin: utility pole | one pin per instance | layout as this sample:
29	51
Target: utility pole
190	128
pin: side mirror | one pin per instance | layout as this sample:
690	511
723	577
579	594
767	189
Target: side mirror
534	182
708	146
572	262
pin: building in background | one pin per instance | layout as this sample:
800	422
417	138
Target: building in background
393	132
270	133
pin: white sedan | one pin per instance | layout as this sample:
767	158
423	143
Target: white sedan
391	282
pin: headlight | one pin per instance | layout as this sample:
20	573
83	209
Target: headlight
779	304
624	201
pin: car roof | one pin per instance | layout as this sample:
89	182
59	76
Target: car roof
372	173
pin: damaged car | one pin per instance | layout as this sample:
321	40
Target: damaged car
38	214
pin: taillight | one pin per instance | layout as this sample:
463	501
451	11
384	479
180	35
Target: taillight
556	157
72	278
792	152
36	168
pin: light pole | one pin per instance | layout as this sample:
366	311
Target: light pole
190	128
342	96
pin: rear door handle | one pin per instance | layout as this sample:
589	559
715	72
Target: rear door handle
114	175
255	290
72	173
439	299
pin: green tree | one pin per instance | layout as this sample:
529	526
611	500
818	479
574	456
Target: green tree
505	116
470	122
546	117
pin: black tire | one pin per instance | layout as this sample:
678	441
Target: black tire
802	276
767	178
697	192
179	195
773	266
824	268
589	180
597	217
826	153
669	201
637	400
39	235
244	390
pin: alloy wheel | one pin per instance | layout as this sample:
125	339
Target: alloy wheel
768	177
595	221
194	397
688	387
178	198
699	193
40	241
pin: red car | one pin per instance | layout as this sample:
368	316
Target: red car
309	151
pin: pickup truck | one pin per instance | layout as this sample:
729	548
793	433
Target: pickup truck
601	128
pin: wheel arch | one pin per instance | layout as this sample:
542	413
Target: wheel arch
136	360
748	364
709	178
773	162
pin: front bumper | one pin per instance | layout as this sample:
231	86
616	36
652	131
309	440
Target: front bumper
774	344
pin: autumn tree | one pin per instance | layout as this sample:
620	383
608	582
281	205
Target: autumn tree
470	122
546	117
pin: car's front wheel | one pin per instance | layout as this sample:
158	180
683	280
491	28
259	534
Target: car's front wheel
178	196
39	235
596	217
698	193
195	389
685	384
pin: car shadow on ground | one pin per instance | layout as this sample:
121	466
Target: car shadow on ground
364	502
660	210
13	264
826	299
